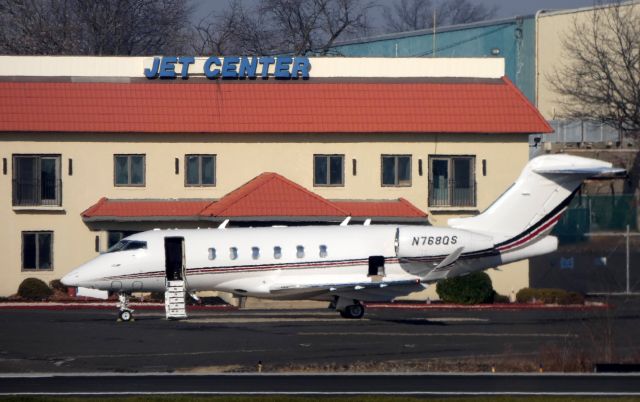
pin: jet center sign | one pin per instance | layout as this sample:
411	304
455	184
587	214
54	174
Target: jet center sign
230	67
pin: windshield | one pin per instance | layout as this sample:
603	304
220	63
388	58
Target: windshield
124	245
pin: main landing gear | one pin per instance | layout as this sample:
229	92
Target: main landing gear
348	308
125	313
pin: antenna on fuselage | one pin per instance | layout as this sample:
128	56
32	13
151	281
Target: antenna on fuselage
345	222
367	222
223	225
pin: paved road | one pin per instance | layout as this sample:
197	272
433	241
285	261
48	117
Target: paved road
91	340
414	384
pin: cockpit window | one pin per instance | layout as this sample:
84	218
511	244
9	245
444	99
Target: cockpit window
125	245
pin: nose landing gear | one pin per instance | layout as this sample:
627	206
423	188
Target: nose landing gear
125	313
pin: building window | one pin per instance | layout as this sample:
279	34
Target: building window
200	170
36	180
277	252
328	170
452	181
396	170
37	250
129	170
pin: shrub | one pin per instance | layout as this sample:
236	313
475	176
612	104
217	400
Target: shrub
469	289
57	285
34	289
498	298
548	296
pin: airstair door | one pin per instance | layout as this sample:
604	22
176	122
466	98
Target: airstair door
174	296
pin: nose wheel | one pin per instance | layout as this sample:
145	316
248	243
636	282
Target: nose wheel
125	313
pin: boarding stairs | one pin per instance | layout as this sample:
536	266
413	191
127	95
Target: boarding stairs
174	300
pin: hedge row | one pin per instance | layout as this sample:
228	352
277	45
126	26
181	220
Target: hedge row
548	296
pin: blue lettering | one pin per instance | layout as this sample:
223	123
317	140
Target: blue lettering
300	66
185	61
230	67
266	62
153	71
207	67
282	67
248	67
167	67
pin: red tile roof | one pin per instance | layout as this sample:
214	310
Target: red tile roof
484	106
269	195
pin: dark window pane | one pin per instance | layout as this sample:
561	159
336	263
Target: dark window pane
335	170
26	181
137	169
320	174
388	170
44	251
113	238
440	177
29	250
208	170
122	170
48	178
404	170
192	170
462	172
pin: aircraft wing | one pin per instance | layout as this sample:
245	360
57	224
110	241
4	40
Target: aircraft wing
366	291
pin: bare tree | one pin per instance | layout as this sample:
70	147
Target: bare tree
273	26
412	15
600	79
105	27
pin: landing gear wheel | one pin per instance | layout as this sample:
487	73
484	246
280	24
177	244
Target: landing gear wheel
353	311
125	315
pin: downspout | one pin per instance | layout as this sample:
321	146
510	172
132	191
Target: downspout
537	83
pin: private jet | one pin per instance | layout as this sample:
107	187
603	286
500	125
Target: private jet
345	265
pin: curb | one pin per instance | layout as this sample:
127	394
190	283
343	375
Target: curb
507	307
101	306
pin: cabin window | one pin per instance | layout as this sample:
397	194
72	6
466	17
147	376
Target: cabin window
323	251
233	253
212	253
300	251
277	252
255	252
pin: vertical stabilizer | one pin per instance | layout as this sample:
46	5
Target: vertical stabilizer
534	203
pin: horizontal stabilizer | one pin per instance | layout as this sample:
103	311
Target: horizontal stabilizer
445	267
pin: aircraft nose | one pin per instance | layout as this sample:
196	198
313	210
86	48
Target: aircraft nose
71	279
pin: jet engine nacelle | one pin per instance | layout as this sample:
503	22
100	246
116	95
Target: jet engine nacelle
436	241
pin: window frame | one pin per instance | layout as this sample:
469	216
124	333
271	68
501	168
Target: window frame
451	173
199	156
328	178
38	200
396	182
37	233
129	184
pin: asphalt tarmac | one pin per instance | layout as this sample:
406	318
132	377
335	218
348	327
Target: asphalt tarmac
90	341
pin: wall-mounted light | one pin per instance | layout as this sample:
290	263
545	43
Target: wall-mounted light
495	51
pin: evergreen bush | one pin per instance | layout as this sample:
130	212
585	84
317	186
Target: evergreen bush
34	289
469	289
549	296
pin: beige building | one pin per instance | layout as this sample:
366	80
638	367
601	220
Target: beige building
92	150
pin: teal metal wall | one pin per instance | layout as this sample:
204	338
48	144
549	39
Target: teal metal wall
514	37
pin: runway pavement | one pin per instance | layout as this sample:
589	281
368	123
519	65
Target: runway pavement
328	384
314	340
